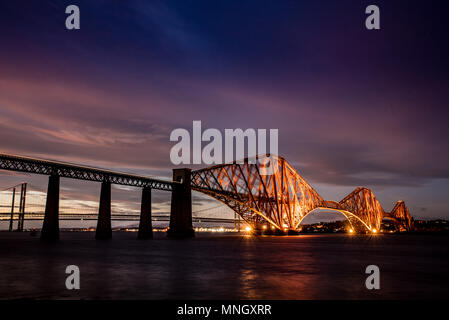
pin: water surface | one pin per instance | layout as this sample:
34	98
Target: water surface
225	267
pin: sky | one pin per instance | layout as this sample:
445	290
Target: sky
354	107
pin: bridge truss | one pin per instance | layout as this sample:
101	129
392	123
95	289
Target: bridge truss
284	198
68	170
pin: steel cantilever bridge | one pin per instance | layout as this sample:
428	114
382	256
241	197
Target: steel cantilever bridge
263	190
283	198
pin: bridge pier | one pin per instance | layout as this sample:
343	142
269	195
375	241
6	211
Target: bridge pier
145	225
104	230
50	228
181	206
21	218
11	221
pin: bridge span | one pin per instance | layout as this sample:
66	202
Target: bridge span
282	199
277	199
181	205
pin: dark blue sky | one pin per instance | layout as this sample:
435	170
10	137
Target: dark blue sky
353	107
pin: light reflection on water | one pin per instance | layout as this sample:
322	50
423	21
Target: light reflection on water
225	267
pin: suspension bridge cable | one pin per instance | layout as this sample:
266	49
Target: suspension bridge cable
210	208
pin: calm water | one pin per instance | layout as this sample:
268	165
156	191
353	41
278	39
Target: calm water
225	267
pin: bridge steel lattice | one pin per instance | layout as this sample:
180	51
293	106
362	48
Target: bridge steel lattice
68	170
284	198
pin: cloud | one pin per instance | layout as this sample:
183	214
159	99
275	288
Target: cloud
369	111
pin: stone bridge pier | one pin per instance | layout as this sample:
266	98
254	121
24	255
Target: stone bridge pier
181	206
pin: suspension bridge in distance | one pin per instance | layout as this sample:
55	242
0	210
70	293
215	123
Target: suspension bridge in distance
278	200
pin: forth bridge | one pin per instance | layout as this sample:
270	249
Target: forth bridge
276	202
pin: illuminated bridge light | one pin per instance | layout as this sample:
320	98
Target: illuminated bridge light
248	229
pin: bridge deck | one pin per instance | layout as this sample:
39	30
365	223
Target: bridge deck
69	170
